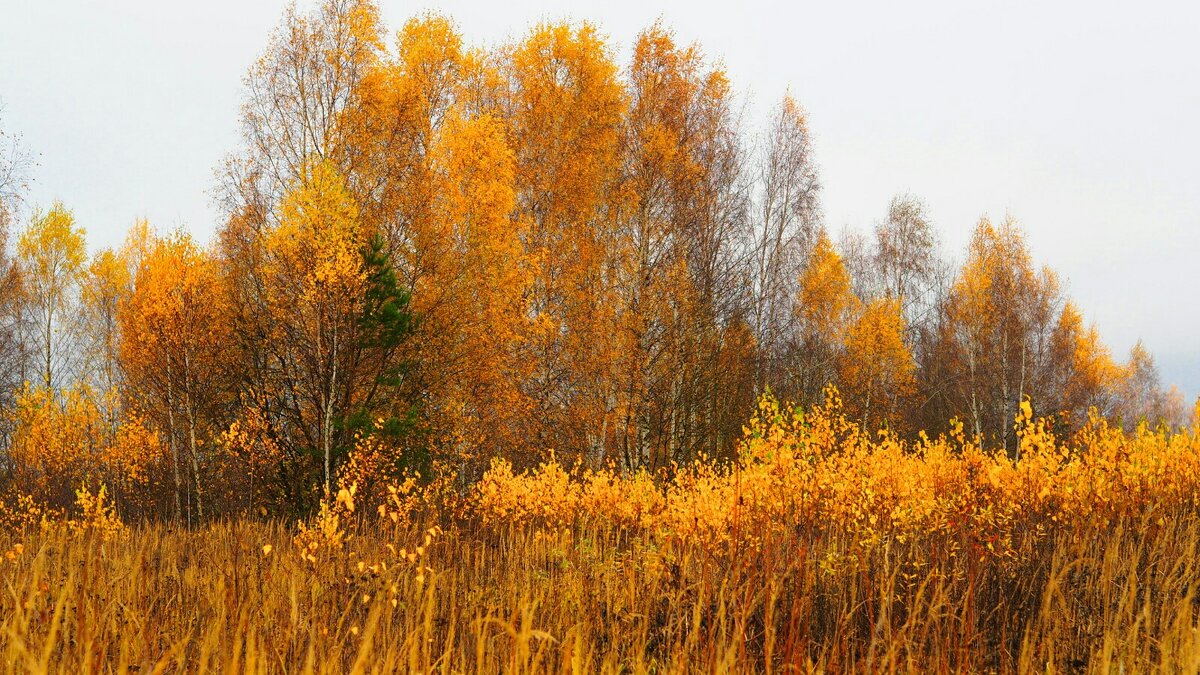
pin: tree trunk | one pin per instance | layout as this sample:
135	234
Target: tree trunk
327	432
191	413
174	446
48	374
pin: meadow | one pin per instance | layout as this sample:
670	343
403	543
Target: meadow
823	548
478	369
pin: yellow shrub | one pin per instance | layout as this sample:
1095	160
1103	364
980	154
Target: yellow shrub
820	471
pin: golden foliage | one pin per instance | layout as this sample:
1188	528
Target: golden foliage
820	471
876	369
135	455
325	536
57	441
20	513
471	260
97	515
825	303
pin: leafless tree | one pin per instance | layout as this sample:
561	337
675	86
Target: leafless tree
789	216
906	257
15	165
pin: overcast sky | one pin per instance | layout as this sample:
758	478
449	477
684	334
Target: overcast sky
1081	119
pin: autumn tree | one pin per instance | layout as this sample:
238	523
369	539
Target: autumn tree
1140	395
876	371
389	135
825	308
1000	314
434	177
105	283
314	286
564	113
470	291
425	172
306	170
1086	376
296	97
61	440
51	254
294	112
329	325
680	282
175	348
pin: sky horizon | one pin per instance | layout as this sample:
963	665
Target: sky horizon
1076	119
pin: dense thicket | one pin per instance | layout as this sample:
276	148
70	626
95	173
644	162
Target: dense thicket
446	254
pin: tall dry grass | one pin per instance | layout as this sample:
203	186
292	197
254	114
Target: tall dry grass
1112	597
821	549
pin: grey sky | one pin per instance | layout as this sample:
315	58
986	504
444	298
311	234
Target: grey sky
1079	119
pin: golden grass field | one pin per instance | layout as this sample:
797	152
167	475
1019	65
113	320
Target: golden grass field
1118	597
822	549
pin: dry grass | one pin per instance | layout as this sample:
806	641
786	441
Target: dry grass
822	549
1111	597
